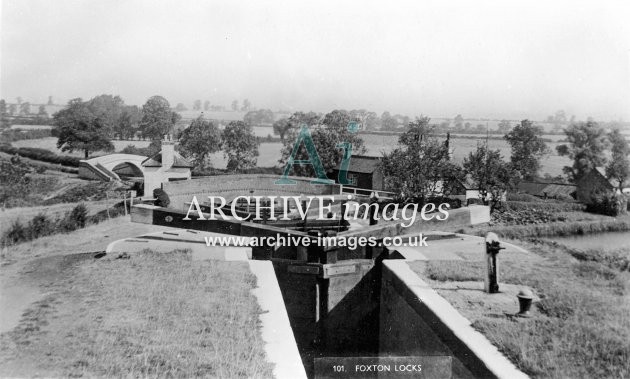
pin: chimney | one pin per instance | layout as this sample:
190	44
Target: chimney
168	151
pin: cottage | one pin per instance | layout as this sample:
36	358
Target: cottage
364	172
547	189
469	193
165	166
595	183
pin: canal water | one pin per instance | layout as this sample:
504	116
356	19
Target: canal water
608	241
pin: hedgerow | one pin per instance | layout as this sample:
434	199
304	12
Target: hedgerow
40	155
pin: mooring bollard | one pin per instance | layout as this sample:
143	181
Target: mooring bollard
493	246
525	298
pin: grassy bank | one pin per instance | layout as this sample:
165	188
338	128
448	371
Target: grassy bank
146	316
570	227
580	327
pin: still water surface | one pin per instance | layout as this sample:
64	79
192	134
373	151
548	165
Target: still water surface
608	241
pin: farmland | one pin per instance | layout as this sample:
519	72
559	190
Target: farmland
375	144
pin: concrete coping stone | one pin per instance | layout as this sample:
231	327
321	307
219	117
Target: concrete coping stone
461	327
280	345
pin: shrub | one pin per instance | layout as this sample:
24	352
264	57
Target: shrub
16	234
162	199
75	219
610	205
114	211
40	226
563	197
522	197
545	205
79	215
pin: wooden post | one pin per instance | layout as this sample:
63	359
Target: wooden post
107	203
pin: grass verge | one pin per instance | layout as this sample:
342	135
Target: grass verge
150	315
581	326
564	228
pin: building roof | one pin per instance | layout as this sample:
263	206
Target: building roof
539	188
613	181
554	189
363	164
532	188
156	161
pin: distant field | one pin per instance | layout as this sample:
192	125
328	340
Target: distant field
50	143
376	145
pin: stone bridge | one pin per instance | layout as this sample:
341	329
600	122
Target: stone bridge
107	167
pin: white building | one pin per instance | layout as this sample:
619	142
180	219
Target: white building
165	166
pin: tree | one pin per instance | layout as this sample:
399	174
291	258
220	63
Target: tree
157	118
281	127
4	121
25	108
560	117
12	109
326	133
206	105
50	101
240	146
459	122
388	122
419	168
79	129
199	140
128	121
619	166
180	107
587	142
262	116
13	180
197	105
19	100
42	112
504	126
528	148
235	105
108	109
490	174
246	105
368	120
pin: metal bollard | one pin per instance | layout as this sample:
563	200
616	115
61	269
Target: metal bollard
525	298
493	246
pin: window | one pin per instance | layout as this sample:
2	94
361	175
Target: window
352	179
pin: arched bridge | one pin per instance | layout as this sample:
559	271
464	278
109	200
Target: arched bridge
108	167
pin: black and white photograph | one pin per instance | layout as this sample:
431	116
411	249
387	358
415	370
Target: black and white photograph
314	189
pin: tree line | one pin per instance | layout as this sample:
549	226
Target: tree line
421	167
415	169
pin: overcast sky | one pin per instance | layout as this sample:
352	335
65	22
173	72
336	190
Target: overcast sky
438	58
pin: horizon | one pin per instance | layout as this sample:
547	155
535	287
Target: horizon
486	60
